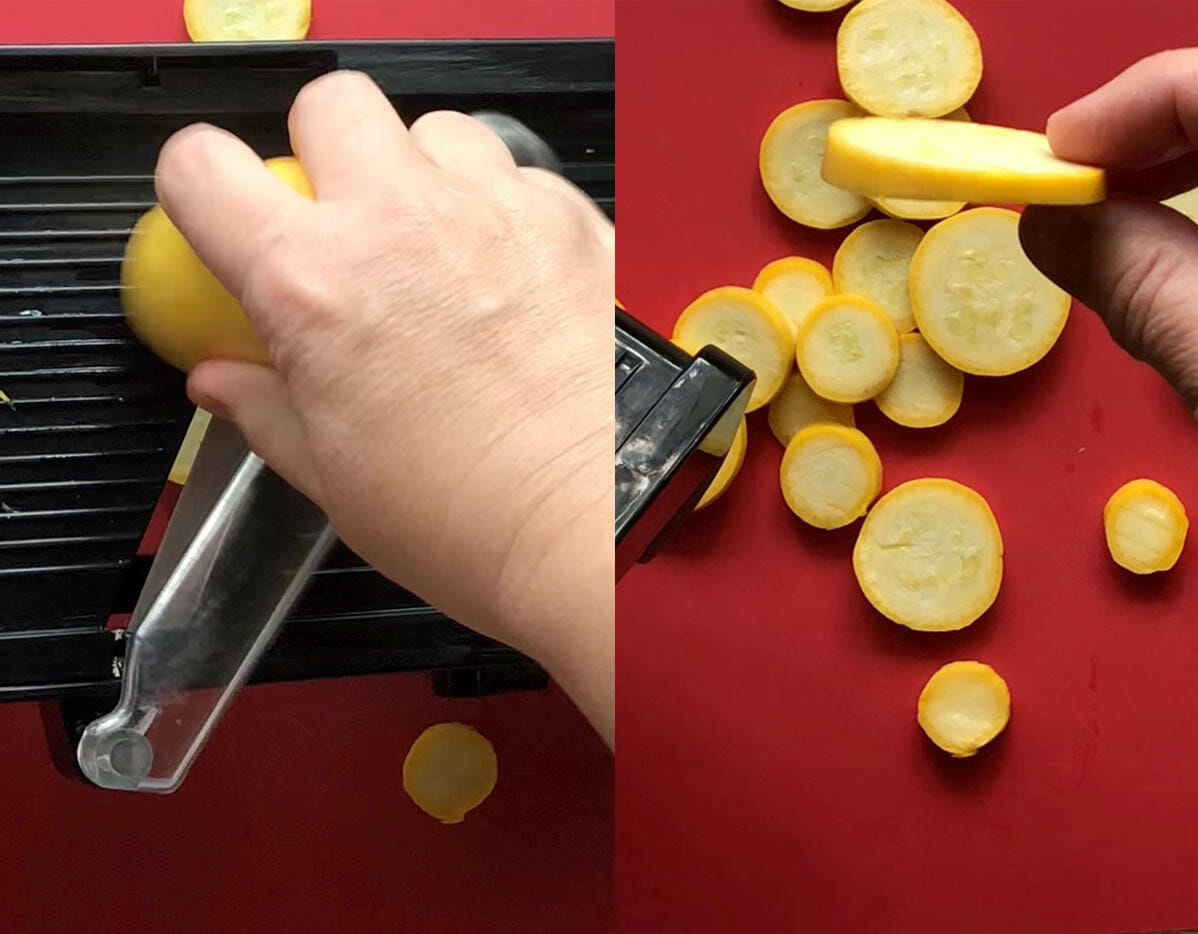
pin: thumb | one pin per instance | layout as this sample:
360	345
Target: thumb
1136	264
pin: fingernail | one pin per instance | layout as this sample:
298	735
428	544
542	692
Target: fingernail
208	403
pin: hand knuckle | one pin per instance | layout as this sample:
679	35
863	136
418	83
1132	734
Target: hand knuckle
281	281
326	92
569	217
437	123
186	154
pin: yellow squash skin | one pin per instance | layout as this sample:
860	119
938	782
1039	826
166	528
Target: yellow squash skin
944	160
963	707
847	349
829	475
929	555
748	327
450	770
1146	527
729	467
247	20
791	154
977	298
175	306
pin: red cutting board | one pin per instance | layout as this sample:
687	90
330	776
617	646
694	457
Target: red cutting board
771	774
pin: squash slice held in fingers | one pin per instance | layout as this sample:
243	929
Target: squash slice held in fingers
945	160
918	209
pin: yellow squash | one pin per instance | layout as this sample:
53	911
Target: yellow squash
829	475
1146	526
450	770
964	706
247	20
748	327
175	305
929	555
945	160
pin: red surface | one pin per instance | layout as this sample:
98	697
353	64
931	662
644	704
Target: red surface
86	21
294	818
772	776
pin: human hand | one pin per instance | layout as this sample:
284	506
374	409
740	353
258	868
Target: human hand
439	323
1129	258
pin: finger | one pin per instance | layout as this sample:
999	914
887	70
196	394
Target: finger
257	400
1161	181
212	185
462	146
551	181
348	136
1136	264
1147	115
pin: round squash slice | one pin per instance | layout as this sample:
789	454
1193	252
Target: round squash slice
796	407
847	349
746	326
908	58
830	474
816	6
929	555
1146	526
874	261
796	285
729	467
246	20
979	301
926	391
791	159
451	769
964	706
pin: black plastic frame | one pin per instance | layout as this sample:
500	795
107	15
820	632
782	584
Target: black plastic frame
675	419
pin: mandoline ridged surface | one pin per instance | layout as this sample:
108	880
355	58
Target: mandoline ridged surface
93	421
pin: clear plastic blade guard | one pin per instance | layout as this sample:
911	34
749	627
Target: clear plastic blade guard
238	552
